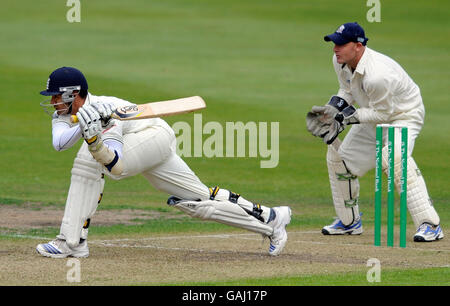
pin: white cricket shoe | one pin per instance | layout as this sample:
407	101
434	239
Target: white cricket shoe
58	248
428	232
338	228
279	237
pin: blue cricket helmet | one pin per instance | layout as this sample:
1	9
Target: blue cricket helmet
62	78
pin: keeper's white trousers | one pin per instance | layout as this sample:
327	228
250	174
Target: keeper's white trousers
357	150
358	147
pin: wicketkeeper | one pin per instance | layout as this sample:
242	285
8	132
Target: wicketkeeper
121	149
385	94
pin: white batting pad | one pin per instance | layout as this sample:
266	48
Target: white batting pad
224	212
86	187
344	187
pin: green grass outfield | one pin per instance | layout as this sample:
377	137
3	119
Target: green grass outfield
251	60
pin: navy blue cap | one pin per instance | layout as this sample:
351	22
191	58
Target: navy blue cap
64	77
348	32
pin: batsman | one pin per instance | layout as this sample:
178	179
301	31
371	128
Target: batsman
384	94
121	149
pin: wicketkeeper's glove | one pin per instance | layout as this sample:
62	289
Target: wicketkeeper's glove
347	116
321	121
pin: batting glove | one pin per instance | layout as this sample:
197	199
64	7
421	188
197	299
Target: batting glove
105	110
90	123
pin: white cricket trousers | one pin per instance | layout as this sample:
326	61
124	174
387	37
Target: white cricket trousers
152	153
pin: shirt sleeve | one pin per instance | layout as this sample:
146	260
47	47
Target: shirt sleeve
381	105
113	136
114	145
64	134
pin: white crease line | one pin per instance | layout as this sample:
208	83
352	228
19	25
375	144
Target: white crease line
222	236
106	244
109	243
153	247
243	236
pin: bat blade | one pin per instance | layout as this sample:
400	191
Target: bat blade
160	109
156	109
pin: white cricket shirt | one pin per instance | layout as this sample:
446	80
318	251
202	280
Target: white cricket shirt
383	91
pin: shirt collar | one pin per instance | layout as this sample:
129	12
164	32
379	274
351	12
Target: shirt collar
89	99
363	61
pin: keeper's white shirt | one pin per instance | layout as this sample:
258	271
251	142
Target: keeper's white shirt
384	92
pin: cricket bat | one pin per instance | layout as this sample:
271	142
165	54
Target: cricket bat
156	109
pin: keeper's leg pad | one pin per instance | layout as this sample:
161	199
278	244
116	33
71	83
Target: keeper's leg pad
344	187
260	212
86	188
419	203
224	212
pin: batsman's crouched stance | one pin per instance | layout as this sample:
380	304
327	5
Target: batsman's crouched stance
385	94
121	149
